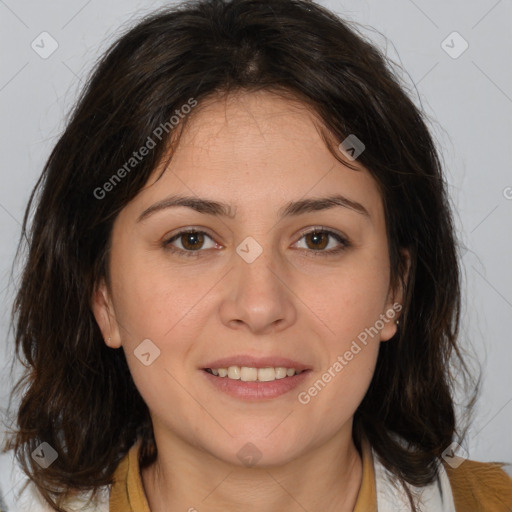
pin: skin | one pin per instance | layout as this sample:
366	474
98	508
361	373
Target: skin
257	152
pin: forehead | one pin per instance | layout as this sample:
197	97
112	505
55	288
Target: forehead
257	149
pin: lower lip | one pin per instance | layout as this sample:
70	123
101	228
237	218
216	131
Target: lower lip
256	390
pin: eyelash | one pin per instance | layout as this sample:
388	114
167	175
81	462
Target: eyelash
311	252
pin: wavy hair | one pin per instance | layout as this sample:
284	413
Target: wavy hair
76	393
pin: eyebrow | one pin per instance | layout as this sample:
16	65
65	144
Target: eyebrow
210	207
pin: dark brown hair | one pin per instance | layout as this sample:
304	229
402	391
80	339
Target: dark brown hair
78	394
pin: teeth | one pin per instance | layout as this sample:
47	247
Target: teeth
266	374
234	372
248	374
280	372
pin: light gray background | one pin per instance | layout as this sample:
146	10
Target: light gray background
468	99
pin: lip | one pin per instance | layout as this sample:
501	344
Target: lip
255	362
255	391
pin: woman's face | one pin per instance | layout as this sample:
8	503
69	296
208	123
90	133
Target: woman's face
251	288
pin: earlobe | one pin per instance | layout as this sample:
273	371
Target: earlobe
103	311
390	328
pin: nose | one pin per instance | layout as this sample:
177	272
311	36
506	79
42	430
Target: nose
258	297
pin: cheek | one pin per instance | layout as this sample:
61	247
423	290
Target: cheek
153	298
159	304
348	300
333	397
349	305
340	385
169	320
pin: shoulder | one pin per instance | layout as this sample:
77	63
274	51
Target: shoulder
481	486
19	494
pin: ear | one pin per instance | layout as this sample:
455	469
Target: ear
103	311
395	300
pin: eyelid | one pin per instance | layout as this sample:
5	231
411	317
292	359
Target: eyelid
188	229
321	229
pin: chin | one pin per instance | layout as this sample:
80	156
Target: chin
258	452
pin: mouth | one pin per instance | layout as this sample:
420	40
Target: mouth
255	379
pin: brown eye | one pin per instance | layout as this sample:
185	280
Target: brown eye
319	240
323	242
192	241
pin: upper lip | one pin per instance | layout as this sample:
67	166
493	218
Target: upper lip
256	362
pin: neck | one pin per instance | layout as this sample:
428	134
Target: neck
327	478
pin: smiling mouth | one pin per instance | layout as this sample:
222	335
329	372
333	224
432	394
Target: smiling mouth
251	374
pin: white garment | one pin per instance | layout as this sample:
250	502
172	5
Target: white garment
13	498
436	497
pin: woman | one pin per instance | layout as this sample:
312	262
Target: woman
242	289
